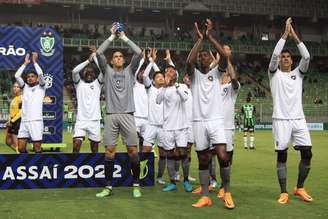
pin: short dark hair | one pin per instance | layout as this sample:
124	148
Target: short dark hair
117	51
204	50
156	73
248	99
31	72
170	66
286	51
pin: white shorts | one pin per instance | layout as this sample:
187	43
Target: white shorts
286	130
207	133
141	124
190	135
175	138
229	135
153	134
92	128
31	129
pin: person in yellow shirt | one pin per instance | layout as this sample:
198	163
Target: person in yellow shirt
13	124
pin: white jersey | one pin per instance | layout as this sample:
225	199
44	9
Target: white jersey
287	90
88	100
188	106
32	102
229	97
207	101
175	116
155	111
140	100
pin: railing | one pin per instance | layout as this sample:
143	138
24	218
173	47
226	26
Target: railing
238	47
304	8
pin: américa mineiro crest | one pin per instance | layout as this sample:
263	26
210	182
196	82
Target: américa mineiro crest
47	42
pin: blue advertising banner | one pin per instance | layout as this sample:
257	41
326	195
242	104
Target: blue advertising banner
33	171
15	43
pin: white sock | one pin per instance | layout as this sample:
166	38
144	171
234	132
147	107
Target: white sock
252	141
245	141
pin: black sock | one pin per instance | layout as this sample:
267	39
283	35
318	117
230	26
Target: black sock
109	169
225	177
161	166
171	169
185	167
282	176
135	166
303	171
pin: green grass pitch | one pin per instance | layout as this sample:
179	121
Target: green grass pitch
254	188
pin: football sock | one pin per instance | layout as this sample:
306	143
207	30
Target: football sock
109	169
251	144
282	173
185	167
161	166
304	170
225	177
171	169
135	167
204	179
212	168
245	141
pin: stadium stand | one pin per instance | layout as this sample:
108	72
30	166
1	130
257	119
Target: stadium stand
167	24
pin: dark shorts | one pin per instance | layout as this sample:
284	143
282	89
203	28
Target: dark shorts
15	127
249	125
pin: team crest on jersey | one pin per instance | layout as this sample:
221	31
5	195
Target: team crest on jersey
47	42
293	77
225	91
48	79
210	78
92	87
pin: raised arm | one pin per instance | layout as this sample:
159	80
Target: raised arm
305	60
101	75
210	35
153	58
19	72
102	61
168	58
141	62
38	69
104	46
136	50
231	71
76	71
192	57
146	79
274	62
216	59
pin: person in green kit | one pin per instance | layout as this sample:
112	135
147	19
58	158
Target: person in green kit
237	119
248	111
70	115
